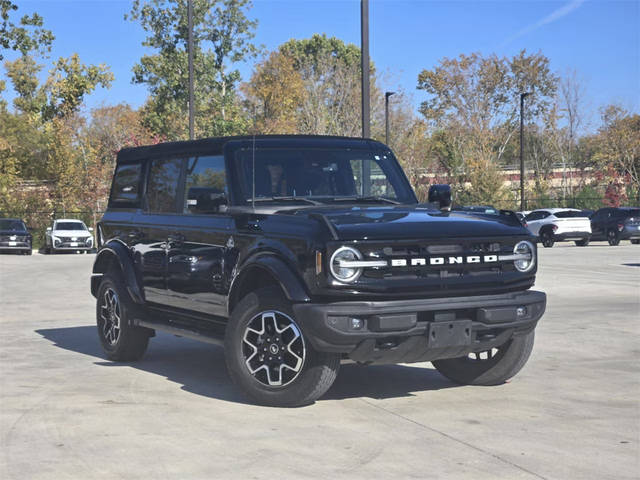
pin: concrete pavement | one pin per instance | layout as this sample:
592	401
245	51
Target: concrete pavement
572	413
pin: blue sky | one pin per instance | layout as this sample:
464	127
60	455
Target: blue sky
598	39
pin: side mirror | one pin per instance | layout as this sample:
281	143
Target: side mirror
440	195
48	229
205	200
91	229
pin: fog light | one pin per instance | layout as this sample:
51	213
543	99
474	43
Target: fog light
521	311
357	323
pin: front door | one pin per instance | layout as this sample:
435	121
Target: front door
200	243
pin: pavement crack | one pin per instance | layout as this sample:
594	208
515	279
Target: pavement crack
450	437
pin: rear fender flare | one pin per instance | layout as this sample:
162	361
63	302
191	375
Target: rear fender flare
118	253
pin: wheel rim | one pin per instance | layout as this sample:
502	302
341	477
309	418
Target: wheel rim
612	236
273	349
110	316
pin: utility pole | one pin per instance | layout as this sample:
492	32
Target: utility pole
364	57
190	55
522	97
386	115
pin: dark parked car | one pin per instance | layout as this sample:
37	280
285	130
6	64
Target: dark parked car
296	252
615	224
15	236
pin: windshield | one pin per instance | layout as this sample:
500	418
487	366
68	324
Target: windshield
70	226
12	225
570	214
321	174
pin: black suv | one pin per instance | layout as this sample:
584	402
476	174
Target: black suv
615	224
15	236
297	252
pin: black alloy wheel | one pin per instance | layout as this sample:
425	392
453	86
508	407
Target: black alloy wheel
547	239
613	238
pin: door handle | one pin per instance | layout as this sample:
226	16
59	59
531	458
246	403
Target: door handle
135	235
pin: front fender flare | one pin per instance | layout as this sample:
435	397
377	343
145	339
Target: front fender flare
291	284
115	251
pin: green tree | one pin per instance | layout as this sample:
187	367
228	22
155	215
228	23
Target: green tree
25	36
222	37
473	101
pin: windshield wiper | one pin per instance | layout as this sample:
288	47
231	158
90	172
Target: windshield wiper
369	198
286	199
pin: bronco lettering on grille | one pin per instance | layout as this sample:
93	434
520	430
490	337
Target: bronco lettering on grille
454	260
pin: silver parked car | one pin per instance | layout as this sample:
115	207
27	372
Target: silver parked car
68	235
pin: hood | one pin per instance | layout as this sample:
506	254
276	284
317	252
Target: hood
404	222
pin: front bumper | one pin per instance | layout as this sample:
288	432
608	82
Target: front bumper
401	331
69	246
15	245
568	236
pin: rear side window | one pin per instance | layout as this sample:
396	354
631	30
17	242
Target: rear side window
570	214
206	185
126	185
162	186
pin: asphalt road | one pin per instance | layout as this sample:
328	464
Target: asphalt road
572	413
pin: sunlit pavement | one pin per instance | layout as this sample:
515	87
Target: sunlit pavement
572	413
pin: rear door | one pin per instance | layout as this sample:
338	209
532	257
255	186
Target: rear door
200	243
598	223
158	217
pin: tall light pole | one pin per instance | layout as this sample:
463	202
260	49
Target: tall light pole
522	97
190	55
364	58
386	115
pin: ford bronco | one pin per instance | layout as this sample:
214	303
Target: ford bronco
299	252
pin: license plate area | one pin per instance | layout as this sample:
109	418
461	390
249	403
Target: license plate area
454	333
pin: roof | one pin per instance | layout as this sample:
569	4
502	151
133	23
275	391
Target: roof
68	220
555	210
217	143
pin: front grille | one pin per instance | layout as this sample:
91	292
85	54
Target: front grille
439	261
18	238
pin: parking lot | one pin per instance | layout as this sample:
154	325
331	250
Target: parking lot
572	413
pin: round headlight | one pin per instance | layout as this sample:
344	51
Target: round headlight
341	272
526	253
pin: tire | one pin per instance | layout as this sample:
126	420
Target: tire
546	237
613	238
582	243
120	340
265	319
494	370
47	250
28	252
635	241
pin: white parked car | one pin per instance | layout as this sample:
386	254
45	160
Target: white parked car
552	225
66	234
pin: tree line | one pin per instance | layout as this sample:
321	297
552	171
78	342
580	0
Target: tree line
57	156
